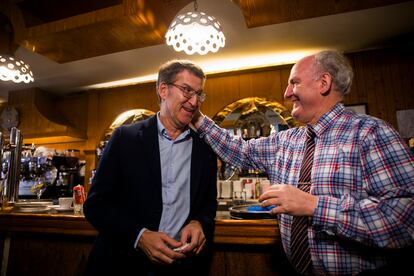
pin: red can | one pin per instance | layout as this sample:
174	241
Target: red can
79	195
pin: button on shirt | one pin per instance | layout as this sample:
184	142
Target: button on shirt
175	177
175	158
362	172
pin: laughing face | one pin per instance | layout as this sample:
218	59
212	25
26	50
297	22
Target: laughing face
176	109
304	90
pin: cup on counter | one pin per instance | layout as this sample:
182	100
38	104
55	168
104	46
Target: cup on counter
237	186
65	202
248	189
226	189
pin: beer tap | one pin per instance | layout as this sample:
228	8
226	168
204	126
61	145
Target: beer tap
13	174
2	186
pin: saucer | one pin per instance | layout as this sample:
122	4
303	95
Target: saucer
37	209
61	209
31	204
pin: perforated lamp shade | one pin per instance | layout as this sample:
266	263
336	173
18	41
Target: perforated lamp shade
195	32
15	70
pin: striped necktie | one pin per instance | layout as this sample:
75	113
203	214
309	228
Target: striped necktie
299	244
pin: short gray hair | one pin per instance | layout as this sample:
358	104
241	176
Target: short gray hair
337	65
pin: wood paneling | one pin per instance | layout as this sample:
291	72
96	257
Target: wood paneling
64	32
248	260
57	244
41	118
264	12
384	80
48	254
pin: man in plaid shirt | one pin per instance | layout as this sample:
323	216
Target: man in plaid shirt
361	206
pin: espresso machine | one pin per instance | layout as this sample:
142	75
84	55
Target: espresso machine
34	170
67	175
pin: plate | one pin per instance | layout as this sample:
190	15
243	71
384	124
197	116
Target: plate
37	209
62	209
32	204
242	212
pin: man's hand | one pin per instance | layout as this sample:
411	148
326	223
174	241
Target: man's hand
289	200
158	247
197	118
193	234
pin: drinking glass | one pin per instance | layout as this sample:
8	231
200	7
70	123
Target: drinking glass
39	187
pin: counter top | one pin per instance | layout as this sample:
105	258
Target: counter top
227	231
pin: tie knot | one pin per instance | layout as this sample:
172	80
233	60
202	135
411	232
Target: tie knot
310	133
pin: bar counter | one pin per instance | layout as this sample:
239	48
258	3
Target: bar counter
58	244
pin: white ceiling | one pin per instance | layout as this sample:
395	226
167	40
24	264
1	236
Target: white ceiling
348	32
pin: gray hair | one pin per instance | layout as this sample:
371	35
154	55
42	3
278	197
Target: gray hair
169	70
337	65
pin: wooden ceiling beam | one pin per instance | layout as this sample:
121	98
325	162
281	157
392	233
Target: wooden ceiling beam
93	28
129	25
264	12
9	39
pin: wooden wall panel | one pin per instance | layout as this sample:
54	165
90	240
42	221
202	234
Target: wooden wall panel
30	254
246	260
75	108
260	84
115	101
221	91
384	80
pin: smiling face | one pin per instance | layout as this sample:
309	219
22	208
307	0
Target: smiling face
310	91
177	110
301	90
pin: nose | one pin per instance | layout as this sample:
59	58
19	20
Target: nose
193	100
288	92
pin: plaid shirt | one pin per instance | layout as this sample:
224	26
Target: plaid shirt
363	173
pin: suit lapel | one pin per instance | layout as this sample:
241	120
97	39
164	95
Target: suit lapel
149	139
196	166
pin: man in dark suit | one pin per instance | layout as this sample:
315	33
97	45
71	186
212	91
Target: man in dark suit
153	198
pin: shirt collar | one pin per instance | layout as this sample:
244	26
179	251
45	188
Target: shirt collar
328	119
162	131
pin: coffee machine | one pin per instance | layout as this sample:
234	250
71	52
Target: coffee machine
33	170
67	175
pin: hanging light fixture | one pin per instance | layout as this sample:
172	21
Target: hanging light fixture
195	32
14	69
11	68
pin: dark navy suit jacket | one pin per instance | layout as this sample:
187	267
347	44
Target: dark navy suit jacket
125	194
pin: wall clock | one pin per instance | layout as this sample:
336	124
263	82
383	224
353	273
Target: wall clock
9	118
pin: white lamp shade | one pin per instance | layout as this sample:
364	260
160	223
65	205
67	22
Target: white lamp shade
195	32
14	70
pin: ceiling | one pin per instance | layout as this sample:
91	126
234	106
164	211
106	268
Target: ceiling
74	44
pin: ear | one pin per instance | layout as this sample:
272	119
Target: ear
163	91
326	83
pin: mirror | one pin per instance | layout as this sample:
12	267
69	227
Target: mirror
251	118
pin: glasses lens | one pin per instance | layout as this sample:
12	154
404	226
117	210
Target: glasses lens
189	92
201	97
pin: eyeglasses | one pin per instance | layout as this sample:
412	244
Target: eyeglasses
188	92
